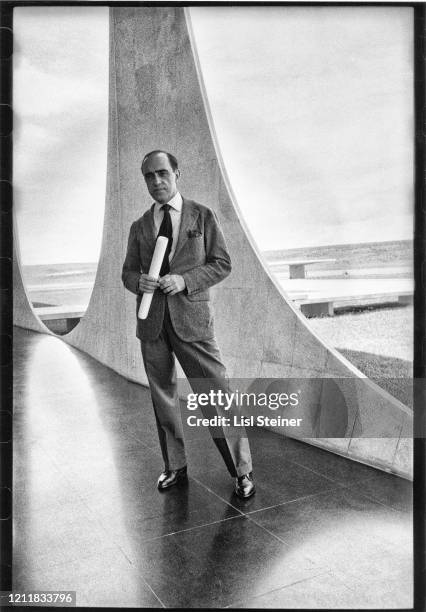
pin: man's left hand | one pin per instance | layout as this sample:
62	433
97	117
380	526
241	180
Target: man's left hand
172	283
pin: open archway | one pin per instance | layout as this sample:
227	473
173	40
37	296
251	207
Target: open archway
60	141
317	142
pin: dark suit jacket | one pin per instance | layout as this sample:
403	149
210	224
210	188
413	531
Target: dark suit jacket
201	257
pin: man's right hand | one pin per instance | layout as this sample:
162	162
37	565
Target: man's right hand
147	284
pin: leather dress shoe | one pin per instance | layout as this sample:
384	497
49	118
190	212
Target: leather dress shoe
168	478
244	486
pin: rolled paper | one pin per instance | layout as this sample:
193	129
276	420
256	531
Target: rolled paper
154	270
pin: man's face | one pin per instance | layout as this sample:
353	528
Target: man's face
160	177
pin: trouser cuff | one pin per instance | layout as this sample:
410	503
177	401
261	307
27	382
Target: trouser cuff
244	469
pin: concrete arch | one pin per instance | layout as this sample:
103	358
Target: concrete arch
23	311
157	100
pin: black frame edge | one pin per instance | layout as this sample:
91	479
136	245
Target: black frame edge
6	292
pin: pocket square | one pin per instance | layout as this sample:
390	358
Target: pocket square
193	233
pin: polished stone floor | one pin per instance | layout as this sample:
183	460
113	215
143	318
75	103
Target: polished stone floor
322	532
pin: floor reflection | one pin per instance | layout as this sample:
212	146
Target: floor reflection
89	518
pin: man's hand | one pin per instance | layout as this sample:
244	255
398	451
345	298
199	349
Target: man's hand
148	284
172	283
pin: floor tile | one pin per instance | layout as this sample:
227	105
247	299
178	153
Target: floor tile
320	592
340	528
148	513
385	579
278	480
97	580
215	565
54	537
327	592
389	490
339	469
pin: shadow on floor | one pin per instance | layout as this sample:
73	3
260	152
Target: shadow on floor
321	531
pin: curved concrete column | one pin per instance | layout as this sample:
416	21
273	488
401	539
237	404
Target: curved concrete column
156	101
23	312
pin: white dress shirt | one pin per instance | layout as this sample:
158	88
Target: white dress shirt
175	214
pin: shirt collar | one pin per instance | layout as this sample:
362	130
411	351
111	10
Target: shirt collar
176	202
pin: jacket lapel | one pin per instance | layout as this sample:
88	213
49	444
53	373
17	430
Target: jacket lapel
187	222
148	228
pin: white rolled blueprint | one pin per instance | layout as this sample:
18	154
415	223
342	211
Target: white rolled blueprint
154	270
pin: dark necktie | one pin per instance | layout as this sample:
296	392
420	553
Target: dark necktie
166	229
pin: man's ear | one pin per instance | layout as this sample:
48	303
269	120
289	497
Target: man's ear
177	174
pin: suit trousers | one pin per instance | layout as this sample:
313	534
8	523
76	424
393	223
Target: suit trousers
201	361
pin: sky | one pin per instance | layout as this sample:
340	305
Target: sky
60	99
312	107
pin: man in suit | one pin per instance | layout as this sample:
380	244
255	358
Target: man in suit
180	320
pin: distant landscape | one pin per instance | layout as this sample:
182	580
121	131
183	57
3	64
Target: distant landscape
71	283
59	284
360	260
379	340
